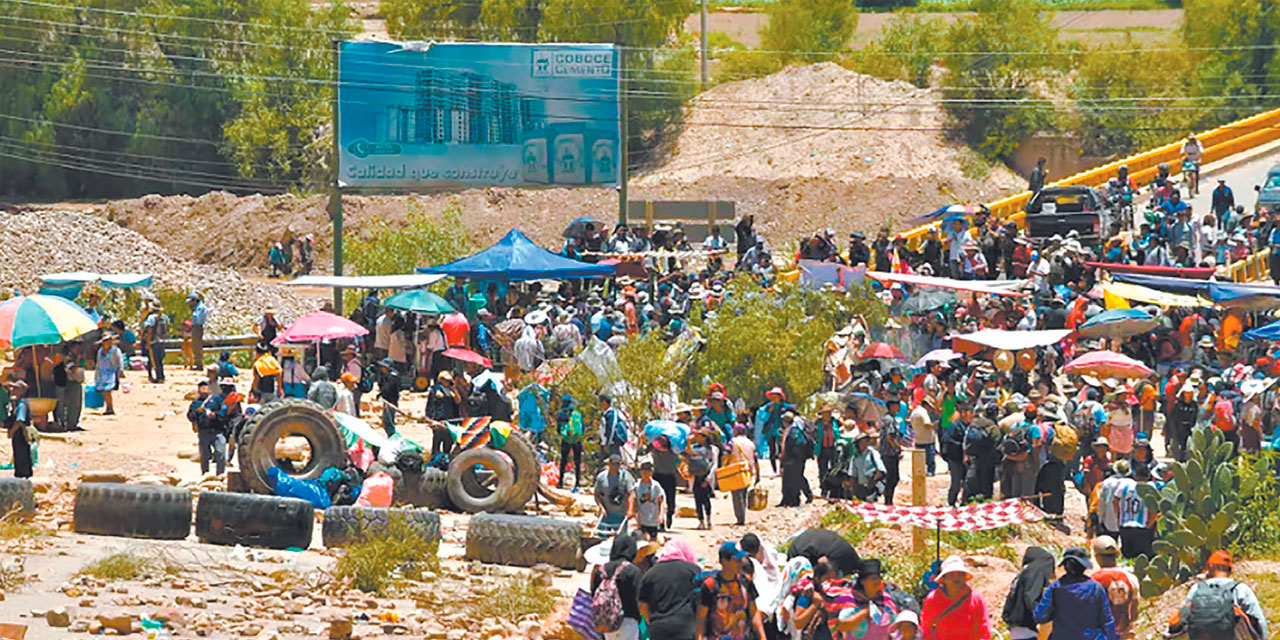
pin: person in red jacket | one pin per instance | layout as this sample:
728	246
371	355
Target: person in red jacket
954	611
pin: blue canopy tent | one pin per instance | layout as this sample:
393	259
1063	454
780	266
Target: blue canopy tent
514	258
69	284
1265	332
1223	293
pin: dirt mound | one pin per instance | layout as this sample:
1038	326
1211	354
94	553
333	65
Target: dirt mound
37	242
856	152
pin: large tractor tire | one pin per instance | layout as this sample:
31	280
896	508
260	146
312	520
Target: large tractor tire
524	541
133	511
291	417
468	494
344	526
427	490
527	472
254	521
17	495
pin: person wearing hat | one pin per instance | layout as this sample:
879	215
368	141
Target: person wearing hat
924	418
826	429
650	502
16	413
352	366
268	326
864	607
199	320
1210	608
796	447
110	371
346	389
859	252
981	442
223	420
1077	606
1038	570
769	423
612	492
727	599
1094	466
866	469
719	413
954	611
1183	416
569	426
444	403
1206	355
155	329
612	428
1121	584
266	374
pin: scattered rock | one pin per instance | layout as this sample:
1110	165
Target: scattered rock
103	476
340	629
121	623
58	617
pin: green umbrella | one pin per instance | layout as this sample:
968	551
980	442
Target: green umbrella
420	301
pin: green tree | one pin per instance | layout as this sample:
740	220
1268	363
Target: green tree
810	30
759	340
994	59
907	49
422	240
1234	43
427	19
1124	108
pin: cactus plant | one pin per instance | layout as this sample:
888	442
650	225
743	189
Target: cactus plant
1197	513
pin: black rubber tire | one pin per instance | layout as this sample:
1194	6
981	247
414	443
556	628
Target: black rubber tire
17	495
498	462
291	417
427	490
527	472
133	510
254	521
347	525
524	541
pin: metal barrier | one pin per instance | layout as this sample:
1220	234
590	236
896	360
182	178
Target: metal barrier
1218	143
1252	268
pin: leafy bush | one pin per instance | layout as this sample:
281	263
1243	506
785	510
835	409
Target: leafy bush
810	30
119	566
907	49
850	526
744	64
513	598
423	240
383	558
1258	516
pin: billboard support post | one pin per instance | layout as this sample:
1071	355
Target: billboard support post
624	155
335	192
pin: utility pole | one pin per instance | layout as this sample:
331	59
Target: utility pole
705	61
624	159
335	193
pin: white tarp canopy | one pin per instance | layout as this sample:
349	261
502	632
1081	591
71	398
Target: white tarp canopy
404	281
118	280
1013	340
991	287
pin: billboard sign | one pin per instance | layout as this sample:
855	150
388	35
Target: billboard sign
420	114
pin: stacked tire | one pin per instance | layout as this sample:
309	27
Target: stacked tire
344	526
514	477
254	521
525	541
292	417
133	511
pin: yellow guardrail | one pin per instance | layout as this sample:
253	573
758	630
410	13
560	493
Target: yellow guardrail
1256	266
1218	143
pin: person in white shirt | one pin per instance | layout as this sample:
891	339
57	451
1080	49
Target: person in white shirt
346	396
1108	514
382	333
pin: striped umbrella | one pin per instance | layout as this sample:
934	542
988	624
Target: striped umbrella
39	319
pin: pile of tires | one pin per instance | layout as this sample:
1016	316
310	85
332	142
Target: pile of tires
524	541
494	480
133	511
291	417
344	526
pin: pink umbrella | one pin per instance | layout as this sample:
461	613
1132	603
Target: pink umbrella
466	355
882	350
320	325
1108	364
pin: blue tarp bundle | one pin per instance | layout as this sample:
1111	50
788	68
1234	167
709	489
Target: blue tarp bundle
516	257
1219	292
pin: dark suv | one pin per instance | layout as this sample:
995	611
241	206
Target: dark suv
1059	210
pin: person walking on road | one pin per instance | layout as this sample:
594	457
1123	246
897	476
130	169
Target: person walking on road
569	425
1076	604
1120	582
727	600
1025	592
742	449
199	320
1224	200
1217	605
626	578
1039	176
666	593
954	611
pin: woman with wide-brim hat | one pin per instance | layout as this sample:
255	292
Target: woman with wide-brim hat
110	371
954	611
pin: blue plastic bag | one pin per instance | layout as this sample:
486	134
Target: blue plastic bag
287	486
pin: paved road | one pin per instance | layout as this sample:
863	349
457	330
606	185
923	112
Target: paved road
1240	178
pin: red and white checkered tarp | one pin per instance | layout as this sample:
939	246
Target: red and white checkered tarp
974	517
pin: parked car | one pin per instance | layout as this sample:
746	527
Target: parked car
1060	210
1269	191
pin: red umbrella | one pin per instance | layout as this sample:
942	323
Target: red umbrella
1108	364
466	355
320	325
882	350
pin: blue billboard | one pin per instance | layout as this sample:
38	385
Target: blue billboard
419	114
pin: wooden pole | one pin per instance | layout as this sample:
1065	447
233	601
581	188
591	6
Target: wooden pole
919	497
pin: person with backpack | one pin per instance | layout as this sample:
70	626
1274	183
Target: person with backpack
667	590
1077	606
613	489
796	449
727	600
569	426
952	442
1220	607
612	430
615	609
826	432
155	329
1018	473
866	469
981	455
1121	585
700	462
954	611
894	435
1024	593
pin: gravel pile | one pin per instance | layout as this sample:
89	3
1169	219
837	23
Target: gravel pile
37	242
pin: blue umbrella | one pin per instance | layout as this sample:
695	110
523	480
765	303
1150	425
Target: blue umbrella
1266	332
1118	323
676	432
950	219
866	396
